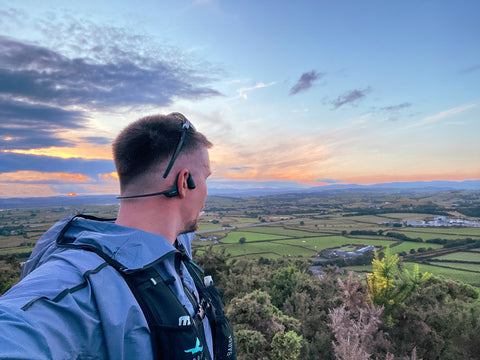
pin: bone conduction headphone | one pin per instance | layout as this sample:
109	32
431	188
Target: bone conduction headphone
190	183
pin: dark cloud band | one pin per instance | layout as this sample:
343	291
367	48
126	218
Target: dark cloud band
11	162
43	75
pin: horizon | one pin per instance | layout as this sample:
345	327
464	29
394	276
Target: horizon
255	189
301	94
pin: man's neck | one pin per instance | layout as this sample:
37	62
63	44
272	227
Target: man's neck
139	215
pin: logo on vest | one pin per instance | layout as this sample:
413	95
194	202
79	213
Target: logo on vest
184	320
230	346
196	349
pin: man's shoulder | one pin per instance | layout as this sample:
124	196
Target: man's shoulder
64	273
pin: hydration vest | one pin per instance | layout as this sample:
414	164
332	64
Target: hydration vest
174	333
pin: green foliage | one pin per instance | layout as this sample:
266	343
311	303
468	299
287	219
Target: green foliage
214	263
442	318
250	344
255	312
300	297
389	287
439	318
9	272
286	345
380	283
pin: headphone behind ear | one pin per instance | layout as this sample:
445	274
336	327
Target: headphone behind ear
168	193
190	182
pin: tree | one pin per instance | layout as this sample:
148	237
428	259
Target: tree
242	240
388	286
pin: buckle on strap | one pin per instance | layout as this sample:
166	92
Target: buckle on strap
202	306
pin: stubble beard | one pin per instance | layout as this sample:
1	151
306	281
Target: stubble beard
191	226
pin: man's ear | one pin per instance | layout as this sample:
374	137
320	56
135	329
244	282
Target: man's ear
183	183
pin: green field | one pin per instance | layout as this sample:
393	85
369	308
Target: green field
277	230
290	227
406	246
461	256
307	239
464	275
459	266
235	236
431	235
449	273
442	232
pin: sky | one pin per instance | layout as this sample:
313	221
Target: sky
292	93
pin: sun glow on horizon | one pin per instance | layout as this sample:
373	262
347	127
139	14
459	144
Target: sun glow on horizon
83	151
29	176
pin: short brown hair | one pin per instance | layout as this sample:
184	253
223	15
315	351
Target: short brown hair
150	141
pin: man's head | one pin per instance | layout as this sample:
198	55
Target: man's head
149	143
157	158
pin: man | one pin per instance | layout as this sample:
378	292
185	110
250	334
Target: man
126	289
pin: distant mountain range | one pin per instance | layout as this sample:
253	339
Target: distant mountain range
279	187
246	189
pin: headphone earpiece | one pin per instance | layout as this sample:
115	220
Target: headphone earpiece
190	182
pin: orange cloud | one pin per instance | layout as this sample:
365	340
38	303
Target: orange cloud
290	159
375	179
83	150
112	176
22	190
36	176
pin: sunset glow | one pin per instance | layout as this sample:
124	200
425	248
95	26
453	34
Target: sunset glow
297	93
84	151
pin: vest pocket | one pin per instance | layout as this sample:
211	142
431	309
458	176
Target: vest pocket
178	342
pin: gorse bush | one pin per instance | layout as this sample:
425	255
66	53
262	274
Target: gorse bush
391	314
280	310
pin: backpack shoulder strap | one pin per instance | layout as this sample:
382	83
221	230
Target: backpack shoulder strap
174	333
211	301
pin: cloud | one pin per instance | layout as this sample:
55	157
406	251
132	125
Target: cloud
69	69
329	181
397	107
443	115
242	92
97	140
349	97
84	66
240	168
11	162
306	81
36	177
470	69
39	74
26	126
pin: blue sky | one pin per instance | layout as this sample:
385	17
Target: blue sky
304	92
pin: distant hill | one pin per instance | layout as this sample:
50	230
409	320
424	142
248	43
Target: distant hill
18	203
268	188
257	189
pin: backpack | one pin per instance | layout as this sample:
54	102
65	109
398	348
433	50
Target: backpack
174	333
